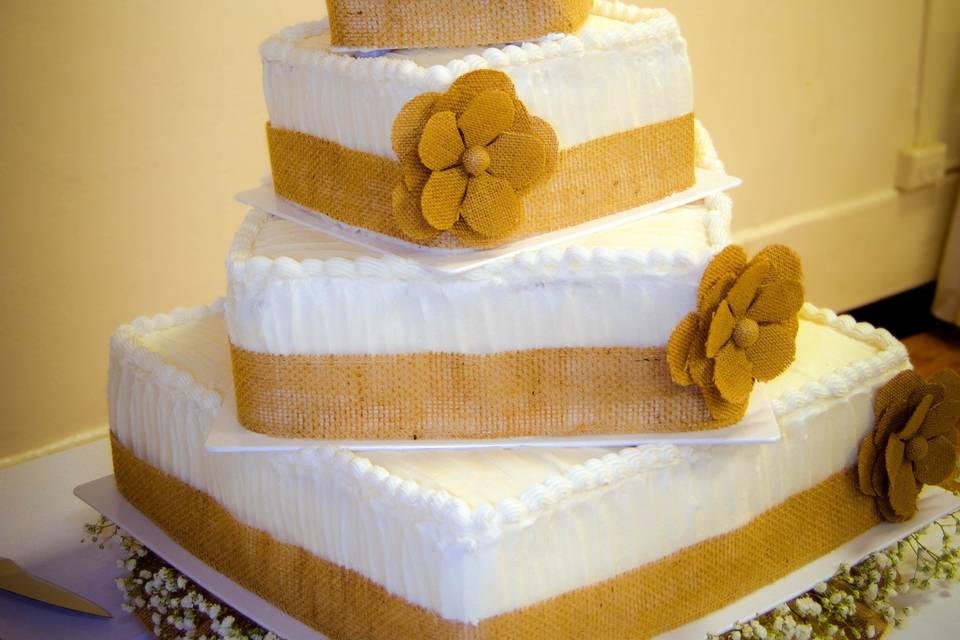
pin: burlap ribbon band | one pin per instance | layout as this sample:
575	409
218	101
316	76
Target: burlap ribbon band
439	396
637	604
594	179
404	24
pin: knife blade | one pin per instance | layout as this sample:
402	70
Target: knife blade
15	580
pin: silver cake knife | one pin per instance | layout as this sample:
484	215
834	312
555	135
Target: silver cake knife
15	580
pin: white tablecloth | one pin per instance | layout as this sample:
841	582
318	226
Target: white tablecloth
43	524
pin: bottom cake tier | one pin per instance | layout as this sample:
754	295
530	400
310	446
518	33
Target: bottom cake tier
497	543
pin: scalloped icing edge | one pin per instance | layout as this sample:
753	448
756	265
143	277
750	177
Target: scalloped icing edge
452	513
892	358
640	26
244	266
125	343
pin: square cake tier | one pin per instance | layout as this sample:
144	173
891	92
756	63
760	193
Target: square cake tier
495	543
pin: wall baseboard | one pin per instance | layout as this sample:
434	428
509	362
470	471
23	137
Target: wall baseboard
862	250
75	440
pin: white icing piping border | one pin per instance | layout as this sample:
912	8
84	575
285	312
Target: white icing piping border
892	357
454	513
125	343
641	26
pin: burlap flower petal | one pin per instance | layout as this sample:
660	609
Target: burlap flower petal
551	146
916	418
942	421
467	236
893	417
866	460
939	463
517	158
903	492
878	476
487	116
721	328
936	391
886	510
468	86
720	409
745	289
700	366
406	215
733	374
784	263
710	298
678	348
949	380
773	352
410	122
777	302
441	146
894	456
491	206
729	261
896	390
442	197
415	175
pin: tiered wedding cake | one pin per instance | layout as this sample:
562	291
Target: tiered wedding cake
655	326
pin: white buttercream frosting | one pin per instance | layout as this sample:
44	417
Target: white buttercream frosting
297	291
625	68
471	534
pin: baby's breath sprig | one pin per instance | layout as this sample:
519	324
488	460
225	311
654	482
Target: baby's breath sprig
171	605
99	532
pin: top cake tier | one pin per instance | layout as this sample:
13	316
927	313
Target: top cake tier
405	24
476	147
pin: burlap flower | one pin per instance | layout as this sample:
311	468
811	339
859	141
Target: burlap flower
744	328
913	443
468	156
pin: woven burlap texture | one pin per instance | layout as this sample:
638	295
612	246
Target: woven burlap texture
913	443
591	180
638	604
439	396
744	328
406	24
468	157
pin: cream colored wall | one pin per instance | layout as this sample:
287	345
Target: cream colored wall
809	101
128	126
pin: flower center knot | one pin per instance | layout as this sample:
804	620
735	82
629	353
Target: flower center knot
475	160
745	333
917	449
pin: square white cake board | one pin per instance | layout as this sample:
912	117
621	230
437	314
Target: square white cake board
103	496
758	426
460	260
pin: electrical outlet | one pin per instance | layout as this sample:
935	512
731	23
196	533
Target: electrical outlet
920	166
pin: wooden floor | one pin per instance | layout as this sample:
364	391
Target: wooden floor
938	348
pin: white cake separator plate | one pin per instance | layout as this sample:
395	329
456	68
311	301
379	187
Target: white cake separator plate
758	426
459	260
103	496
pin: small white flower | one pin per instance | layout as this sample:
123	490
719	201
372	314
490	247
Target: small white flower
820	587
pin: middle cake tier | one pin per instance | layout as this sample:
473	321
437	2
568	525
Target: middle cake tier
332	341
